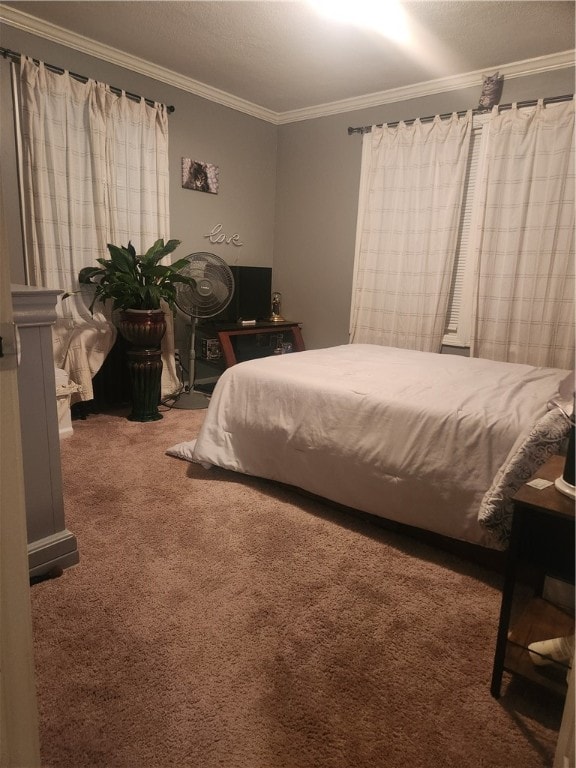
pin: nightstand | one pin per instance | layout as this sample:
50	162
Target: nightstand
542	537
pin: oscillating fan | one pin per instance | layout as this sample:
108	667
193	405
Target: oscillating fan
212	293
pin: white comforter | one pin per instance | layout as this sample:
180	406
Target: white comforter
410	436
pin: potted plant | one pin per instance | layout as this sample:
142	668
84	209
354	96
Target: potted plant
136	285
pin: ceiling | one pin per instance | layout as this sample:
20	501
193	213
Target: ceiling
280	60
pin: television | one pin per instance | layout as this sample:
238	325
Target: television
252	295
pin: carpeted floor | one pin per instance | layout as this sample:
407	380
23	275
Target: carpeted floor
216	620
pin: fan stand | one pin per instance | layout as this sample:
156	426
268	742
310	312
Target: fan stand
207	271
190	399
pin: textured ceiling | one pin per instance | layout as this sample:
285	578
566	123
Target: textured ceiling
282	56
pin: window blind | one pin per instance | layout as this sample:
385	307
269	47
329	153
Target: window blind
456	291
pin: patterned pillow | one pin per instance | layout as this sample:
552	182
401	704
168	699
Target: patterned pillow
546	438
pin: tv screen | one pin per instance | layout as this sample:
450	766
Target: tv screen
252	295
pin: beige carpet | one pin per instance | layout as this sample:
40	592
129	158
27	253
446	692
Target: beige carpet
221	621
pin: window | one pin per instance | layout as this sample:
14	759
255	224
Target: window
458	320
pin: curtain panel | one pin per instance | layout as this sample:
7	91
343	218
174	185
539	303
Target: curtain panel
411	192
95	171
523	238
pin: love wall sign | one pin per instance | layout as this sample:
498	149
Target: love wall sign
217	237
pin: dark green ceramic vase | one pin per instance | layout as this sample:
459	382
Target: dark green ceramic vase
144	329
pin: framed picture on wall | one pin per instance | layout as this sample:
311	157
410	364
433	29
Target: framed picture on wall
203	177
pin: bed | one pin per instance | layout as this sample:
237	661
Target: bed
424	439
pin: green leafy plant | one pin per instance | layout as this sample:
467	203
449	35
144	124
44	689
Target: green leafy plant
136	282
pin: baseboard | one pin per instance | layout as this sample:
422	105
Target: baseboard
52	553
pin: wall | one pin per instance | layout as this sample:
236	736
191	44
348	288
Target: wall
318	175
242	146
19	741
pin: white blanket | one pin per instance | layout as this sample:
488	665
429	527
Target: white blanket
410	436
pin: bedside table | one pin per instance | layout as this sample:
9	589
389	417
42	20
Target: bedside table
542	536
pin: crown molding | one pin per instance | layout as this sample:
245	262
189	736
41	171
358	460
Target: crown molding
554	61
35	26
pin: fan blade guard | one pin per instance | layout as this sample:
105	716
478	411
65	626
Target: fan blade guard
214	286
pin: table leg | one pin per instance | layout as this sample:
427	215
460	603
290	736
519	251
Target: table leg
506	607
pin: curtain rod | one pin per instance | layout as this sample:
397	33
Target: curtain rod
15	56
477	111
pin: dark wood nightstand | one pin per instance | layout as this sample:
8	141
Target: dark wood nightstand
542	537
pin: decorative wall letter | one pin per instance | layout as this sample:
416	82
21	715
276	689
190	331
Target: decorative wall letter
216	236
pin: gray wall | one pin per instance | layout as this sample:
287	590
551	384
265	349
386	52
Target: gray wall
290	192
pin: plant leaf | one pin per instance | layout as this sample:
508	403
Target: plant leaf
87	274
122	259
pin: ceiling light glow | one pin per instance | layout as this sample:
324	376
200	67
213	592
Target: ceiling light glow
384	16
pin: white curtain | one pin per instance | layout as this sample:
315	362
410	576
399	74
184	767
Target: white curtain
95	171
409	211
523	238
